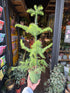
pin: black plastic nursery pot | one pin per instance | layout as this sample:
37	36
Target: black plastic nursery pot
34	76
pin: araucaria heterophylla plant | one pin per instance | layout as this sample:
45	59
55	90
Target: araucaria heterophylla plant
34	63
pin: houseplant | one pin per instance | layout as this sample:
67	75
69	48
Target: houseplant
9	83
19	76
36	61
56	82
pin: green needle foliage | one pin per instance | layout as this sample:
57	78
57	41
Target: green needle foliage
33	29
36	62
36	11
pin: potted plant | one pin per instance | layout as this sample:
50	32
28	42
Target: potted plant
56	82
36	61
9	83
19	76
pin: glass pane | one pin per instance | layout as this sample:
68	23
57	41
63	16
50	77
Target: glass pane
64	53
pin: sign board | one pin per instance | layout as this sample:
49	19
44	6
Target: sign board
67	34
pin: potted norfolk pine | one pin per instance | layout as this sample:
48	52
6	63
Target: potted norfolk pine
36	63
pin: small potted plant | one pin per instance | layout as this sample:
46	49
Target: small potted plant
36	61
19	76
9	83
56	82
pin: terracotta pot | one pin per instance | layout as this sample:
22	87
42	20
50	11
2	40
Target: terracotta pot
18	90
22	81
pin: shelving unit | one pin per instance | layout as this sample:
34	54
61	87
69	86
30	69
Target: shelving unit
65	60
67	53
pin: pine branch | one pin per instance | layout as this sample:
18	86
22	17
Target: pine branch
21	26
23	46
46	29
44	49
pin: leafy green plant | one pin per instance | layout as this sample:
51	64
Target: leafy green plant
56	82
36	63
9	79
18	73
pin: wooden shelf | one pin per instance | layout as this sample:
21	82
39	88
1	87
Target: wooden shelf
64	60
64	51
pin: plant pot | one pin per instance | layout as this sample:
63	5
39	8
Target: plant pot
22	81
68	87
1	11
1	24
34	76
18	90
9	84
